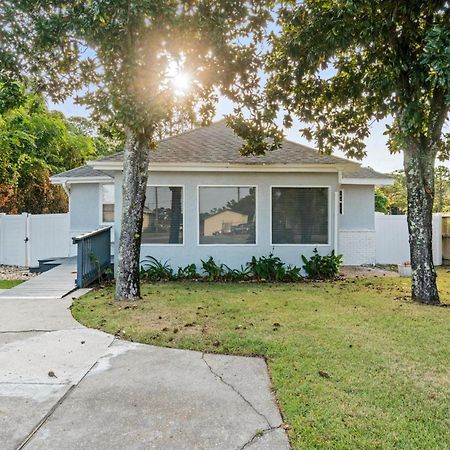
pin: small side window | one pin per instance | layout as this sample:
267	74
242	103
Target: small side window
341	202
107	203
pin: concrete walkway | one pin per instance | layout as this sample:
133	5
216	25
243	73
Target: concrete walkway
64	386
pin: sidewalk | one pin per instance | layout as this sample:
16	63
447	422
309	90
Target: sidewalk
66	386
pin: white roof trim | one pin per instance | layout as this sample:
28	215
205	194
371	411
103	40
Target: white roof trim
368	181
80	180
229	167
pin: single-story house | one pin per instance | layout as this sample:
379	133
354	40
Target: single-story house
205	199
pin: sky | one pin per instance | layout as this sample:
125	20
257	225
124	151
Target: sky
378	156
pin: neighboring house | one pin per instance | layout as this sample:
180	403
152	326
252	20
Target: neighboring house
224	222
205	199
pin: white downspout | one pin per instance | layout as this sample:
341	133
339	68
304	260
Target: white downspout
336	224
336	214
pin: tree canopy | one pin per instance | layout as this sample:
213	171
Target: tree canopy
36	143
338	66
124	53
397	198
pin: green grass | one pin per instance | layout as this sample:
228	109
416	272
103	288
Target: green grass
7	284
387	358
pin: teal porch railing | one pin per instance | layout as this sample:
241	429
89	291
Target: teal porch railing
93	255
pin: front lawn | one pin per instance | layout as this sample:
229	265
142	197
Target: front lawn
354	364
7	284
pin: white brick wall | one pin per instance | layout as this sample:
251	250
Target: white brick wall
357	246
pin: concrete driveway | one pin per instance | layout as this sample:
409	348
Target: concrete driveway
64	386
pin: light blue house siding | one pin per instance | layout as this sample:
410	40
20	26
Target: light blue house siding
351	233
85	211
359	207
234	255
84	207
356	238
210	156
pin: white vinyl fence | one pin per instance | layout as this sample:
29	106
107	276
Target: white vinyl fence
392	243
26	238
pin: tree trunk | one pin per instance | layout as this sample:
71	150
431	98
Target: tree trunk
419	171
135	175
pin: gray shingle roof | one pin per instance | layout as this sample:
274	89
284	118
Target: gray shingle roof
81	172
366	172
217	143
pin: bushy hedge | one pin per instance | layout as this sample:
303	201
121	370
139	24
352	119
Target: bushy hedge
264	268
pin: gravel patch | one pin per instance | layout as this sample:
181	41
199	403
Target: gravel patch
366	271
15	273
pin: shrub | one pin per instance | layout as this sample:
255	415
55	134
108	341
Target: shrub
322	267
264	268
271	268
241	274
214	271
292	273
155	270
188	272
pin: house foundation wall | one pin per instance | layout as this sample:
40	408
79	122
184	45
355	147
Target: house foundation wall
357	246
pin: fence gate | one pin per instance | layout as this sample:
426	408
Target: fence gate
13	232
446	240
26	238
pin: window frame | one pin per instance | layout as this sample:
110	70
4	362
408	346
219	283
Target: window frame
199	186
100	203
183	208
277	186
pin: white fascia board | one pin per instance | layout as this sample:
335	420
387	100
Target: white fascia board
259	168
58	180
189	167
80	180
369	181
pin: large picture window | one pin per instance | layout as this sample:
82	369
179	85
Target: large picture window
107	195
227	215
163	215
299	215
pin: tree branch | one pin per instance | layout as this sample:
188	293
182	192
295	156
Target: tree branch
438	114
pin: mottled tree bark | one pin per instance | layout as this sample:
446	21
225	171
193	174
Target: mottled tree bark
135	175
419	170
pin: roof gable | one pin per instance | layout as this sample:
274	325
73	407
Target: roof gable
216	147
82	173
218	143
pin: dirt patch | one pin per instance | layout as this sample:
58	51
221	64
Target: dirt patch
15	273
366	271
